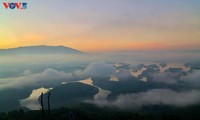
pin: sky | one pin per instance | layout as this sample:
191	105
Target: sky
103	25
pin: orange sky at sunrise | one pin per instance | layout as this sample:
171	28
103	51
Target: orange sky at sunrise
99	26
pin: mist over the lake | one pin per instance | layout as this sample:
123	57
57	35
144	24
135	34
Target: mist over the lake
133	79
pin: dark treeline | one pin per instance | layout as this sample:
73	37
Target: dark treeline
91	112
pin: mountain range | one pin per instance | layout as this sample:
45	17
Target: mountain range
41	49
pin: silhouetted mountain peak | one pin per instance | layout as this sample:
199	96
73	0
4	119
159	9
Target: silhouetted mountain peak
41	49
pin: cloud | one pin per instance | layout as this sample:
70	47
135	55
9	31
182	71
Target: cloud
123	74
162	96
49	77
96	69
165	77
153	97
27	72
193	77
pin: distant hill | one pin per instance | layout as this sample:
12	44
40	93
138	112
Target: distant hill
71	93
42	49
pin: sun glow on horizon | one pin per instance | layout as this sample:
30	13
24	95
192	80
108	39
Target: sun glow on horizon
97	27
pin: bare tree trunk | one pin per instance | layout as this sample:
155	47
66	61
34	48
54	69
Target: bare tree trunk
49	108
42	105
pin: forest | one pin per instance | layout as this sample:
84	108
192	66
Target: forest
90	112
